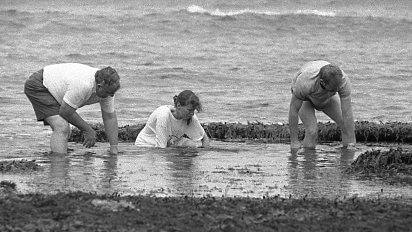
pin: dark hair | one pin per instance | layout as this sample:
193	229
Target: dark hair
331	74
109	76
187	97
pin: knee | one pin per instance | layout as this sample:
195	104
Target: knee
61	127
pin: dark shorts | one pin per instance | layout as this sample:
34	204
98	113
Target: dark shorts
44	104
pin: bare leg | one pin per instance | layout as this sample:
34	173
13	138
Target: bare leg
60	135
308	117
334	111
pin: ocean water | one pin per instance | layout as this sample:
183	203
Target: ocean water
238	56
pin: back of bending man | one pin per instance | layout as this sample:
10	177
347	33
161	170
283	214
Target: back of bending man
314	88
58	90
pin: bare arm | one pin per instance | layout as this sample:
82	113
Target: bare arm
295	105
348	130
112	130
205	141
69	113
162	138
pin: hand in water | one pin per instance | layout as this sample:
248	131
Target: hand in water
205	143
89	138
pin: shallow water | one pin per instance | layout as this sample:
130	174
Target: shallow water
239	56
226	169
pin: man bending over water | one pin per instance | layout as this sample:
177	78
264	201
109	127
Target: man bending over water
58	90
315	87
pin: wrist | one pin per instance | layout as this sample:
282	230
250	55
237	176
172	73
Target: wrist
88	129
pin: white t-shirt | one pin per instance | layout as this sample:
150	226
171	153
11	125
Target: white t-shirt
305	87
74	84
162	128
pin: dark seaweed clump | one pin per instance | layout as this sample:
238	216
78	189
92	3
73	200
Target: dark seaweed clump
19	165
393	164
391	132
126	133
7	184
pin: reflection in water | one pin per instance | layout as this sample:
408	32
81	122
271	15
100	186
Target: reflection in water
59	171
85	172
315	172
309	164
108	172
346	158
230	169
85	167
181	172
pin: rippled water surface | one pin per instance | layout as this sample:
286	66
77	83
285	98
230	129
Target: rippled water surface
238	56
226	169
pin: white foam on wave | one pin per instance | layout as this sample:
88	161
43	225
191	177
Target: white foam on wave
218	12
316	12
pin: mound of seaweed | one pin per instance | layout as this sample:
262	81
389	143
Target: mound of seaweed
392	132
393	164
18	165
7	184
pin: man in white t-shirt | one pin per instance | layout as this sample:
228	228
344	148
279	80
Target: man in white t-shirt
58	90
315	87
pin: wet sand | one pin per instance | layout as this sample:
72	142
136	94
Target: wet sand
226	169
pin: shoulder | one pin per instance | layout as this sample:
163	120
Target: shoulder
304	82
162	111
309	71
69	66
313	67
70	71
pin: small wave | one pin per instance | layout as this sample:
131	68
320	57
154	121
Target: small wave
316	12
149	63
24	12
218	12
10	12
357	13
74	55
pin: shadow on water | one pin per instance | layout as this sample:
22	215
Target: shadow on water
226	169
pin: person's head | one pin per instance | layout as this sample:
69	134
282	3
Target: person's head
330	78
186	103
107	82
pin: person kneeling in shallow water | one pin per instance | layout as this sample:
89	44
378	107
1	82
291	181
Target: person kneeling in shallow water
175	125
315	87
58	90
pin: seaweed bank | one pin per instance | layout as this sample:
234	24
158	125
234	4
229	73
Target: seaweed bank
389	132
